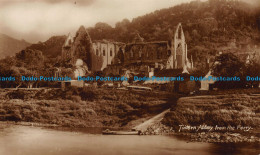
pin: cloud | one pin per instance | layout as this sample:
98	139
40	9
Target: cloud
254	2
80	2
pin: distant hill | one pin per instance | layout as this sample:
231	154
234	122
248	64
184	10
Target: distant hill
209	27
9	46
50	48
213	20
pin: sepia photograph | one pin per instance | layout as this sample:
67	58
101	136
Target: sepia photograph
129	77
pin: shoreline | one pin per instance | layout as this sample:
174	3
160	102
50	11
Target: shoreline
160	129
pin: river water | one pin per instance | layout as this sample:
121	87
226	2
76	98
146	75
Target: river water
27	140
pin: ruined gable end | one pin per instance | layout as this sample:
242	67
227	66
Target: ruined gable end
66	48
179	48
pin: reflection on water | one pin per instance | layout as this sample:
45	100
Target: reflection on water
22	140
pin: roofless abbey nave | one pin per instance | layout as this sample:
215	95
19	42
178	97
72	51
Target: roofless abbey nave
136	56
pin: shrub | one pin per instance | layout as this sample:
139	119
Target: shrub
257	109
135	104
2	112
18	94
75	98
15	116
91	112
87	94
74	106
124	107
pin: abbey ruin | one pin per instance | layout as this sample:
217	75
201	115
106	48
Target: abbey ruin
138	56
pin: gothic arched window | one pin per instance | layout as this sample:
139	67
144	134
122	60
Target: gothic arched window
158	54
97	52
111	53
169	52
131	54
104	52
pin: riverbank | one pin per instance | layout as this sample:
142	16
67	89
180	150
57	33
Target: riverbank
208	137
80	108
220	116
3	123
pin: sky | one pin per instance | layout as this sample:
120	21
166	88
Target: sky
37	20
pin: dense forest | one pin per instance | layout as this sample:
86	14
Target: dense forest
212	21
209	27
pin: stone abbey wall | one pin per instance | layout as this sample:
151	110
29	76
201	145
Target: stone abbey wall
98	55
107	51
147	52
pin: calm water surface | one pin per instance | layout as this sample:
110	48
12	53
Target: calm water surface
23	140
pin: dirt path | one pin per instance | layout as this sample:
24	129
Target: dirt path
149	122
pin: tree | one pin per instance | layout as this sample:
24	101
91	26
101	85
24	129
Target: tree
196	36
31	59
253	70
229	65
5	71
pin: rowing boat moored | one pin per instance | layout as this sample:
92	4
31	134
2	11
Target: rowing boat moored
108	132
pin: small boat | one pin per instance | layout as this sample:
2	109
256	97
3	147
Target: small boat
108	132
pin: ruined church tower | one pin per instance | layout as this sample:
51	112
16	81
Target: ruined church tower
178	58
